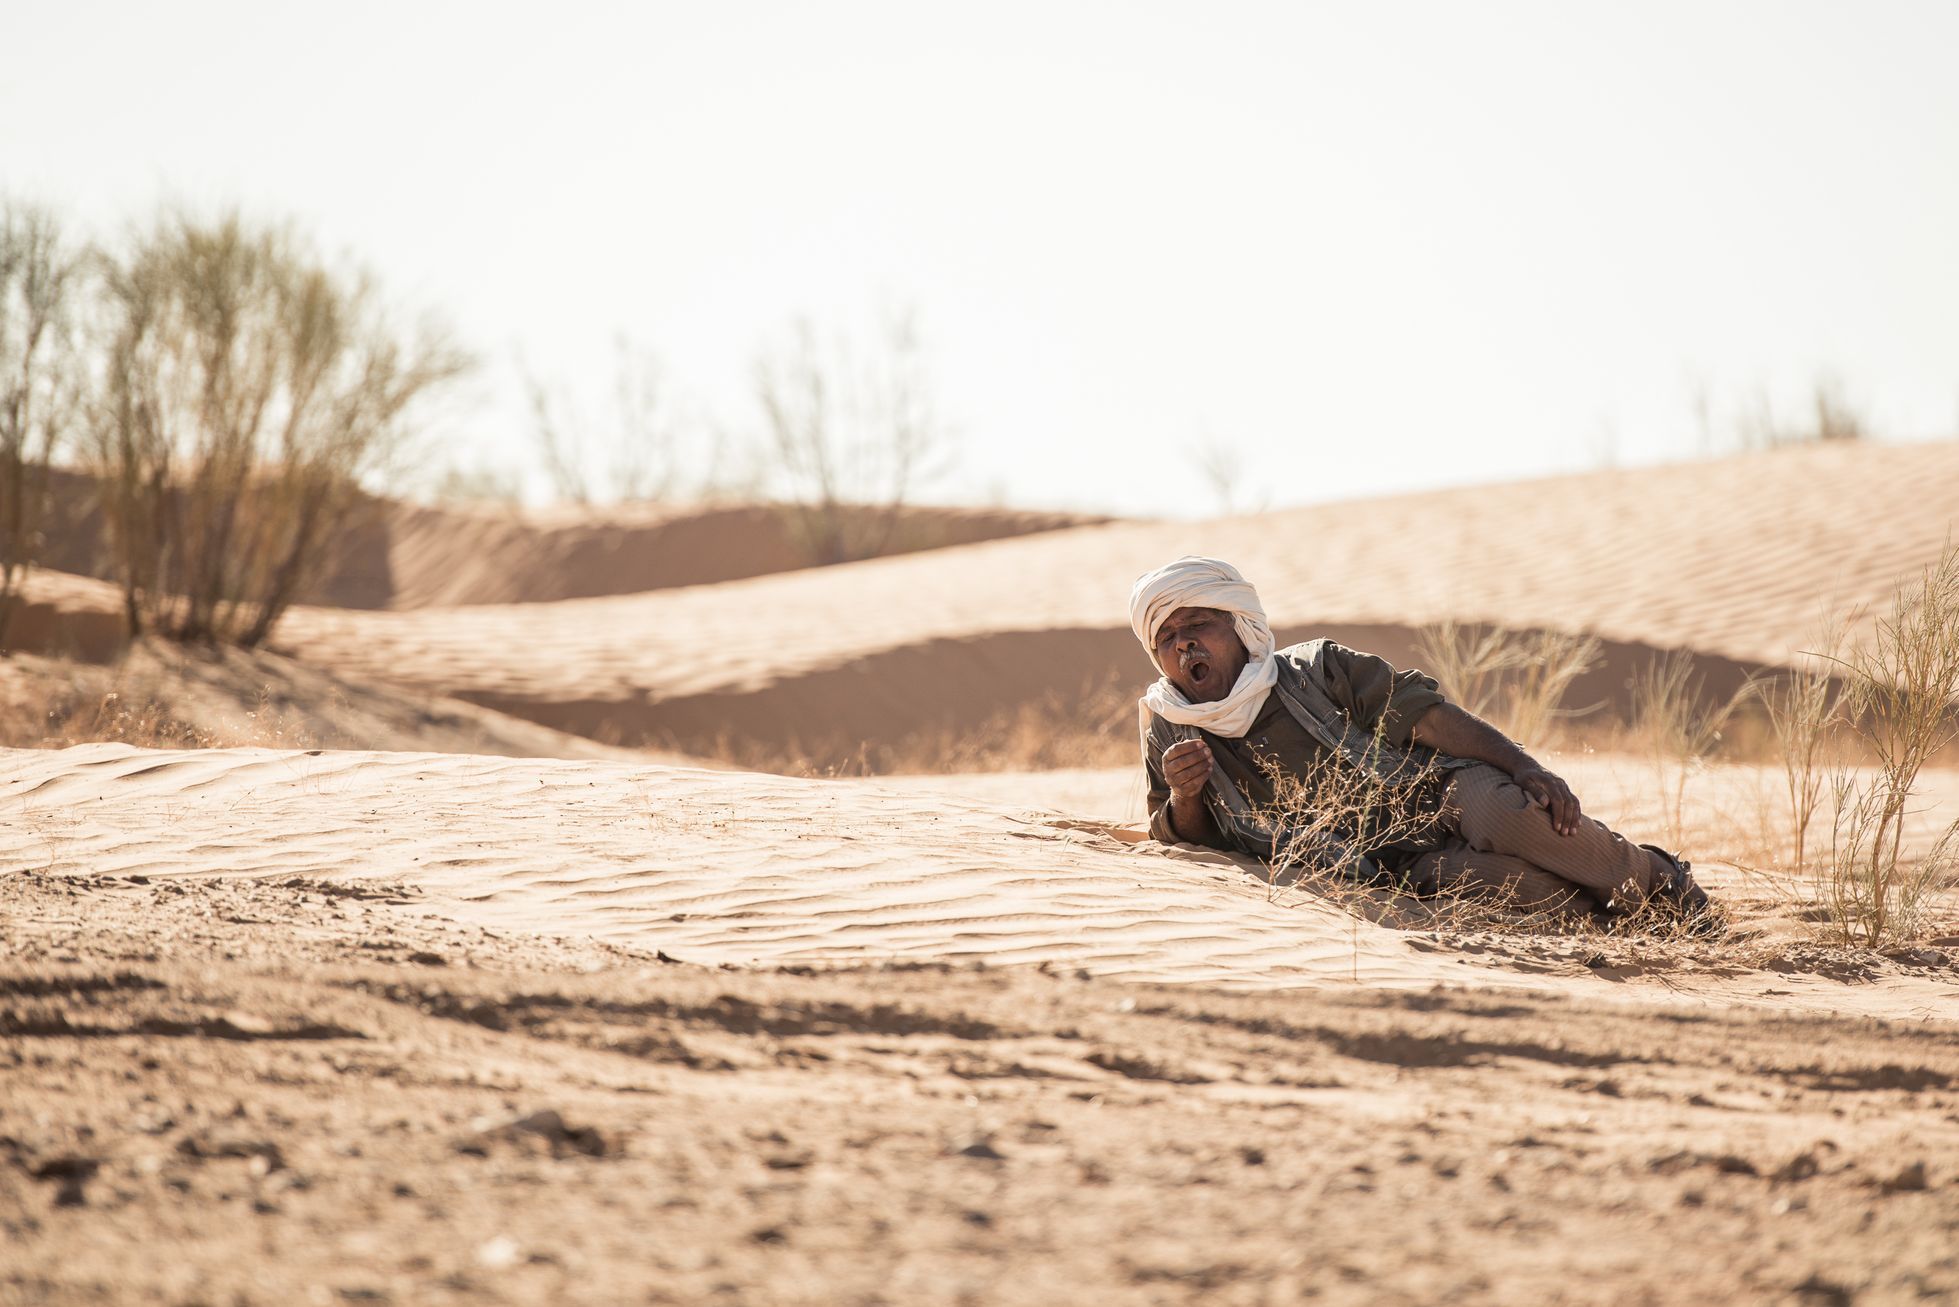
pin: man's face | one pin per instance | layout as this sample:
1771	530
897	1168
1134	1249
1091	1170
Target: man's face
1199	650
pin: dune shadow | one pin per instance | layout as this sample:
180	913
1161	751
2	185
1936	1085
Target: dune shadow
891	702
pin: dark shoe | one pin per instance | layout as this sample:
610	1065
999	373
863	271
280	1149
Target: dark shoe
1679	896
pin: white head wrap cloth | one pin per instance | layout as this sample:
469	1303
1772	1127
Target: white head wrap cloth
1193	582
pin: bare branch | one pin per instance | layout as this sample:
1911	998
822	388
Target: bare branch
853	438
43	380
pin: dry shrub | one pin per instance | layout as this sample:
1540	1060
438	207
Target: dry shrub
1678	725
1323	820
248	390
1833	417
152	698
1902	701
1514	679
42	379
853	436
1804	706
638	456
119	717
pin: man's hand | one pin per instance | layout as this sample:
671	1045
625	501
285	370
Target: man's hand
1448	729
1550	790
1187	769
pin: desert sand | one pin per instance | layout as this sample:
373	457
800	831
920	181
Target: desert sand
512	1014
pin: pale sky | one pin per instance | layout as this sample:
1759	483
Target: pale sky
1367	247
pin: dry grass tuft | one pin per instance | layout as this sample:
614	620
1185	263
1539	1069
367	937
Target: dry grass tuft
1515	680
142	700
1323	821
1902	702
1804	706
114	717
1678	726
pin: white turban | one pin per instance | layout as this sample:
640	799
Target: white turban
1193	582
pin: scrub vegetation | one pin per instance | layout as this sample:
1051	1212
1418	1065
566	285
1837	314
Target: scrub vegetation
247	390
1515	680
1901	702
853	433
1679	727
42	379
227	389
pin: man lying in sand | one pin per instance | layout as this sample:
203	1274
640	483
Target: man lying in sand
1468	809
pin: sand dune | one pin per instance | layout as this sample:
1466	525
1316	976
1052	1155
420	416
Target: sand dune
709	867
746	869
453	556
393	554
154	692
1731	560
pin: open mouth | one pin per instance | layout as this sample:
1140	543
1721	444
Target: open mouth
1198	669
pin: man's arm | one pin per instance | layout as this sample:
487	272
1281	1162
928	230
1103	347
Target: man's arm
1448	729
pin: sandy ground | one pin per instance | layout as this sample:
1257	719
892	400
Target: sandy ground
299	1026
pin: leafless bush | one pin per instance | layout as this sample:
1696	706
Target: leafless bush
477	484
1224	470
1832	417
640	456
1903	702
42	379
1680	726
1514	679
854	436
1325	819
1804	706
248	389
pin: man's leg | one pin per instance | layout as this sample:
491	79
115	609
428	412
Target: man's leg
1501	880
1494	816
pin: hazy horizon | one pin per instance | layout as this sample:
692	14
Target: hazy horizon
1365	251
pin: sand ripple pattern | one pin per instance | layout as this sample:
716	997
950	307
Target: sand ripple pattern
746	869
709	866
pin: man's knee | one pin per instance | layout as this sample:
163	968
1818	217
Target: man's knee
1487	805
